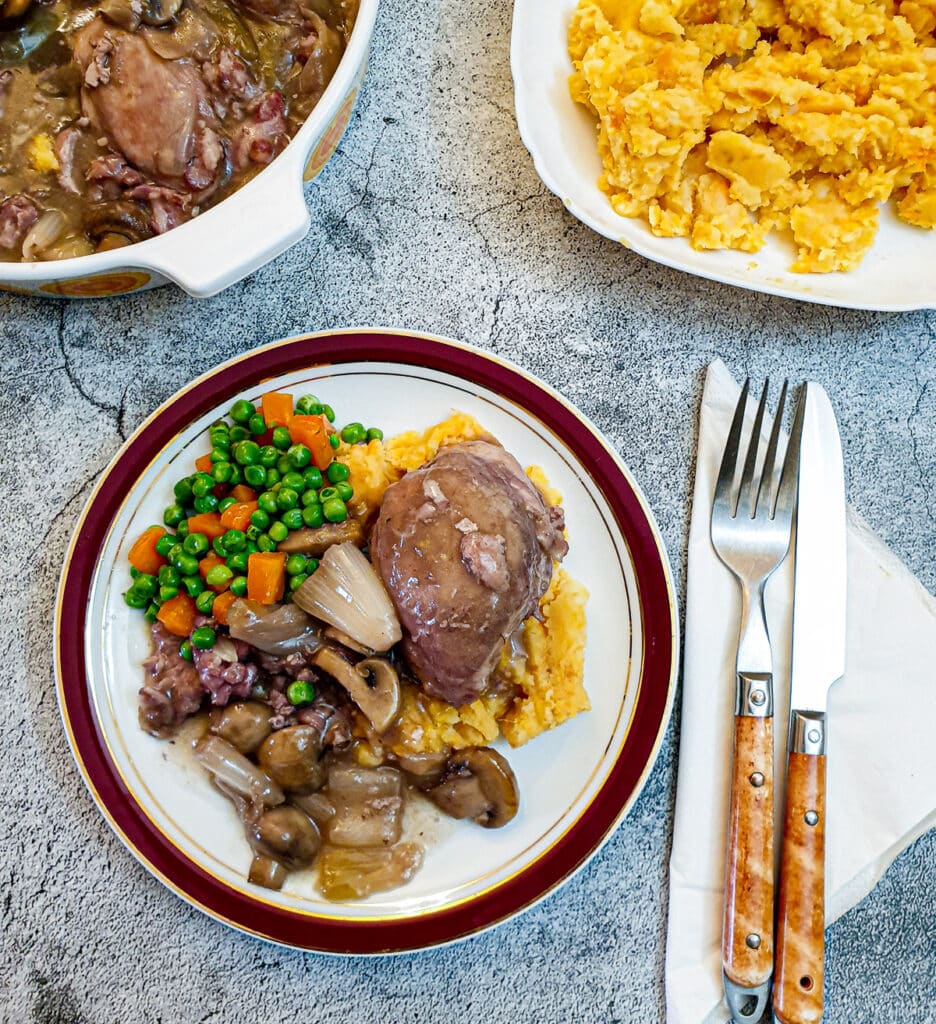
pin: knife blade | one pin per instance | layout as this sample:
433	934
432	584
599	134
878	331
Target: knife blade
819	595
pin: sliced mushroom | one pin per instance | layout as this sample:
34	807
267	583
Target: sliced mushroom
291	757
345	641
317	540
245	725
373	684
160	12
477	783
286	835
103	221
267	872
123	13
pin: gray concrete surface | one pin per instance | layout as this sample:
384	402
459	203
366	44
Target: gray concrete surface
430	216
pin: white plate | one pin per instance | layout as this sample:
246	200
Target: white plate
896	274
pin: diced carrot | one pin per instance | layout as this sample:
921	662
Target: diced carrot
237	517
312	431
277	409
221	605
208	563
243	493
203	464
143	555
266	576
208	523
178	615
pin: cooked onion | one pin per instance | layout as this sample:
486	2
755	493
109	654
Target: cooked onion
231	768
275	630
354	874
346	593
368	806
43	233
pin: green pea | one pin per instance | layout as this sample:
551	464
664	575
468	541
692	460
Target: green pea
164	544
268	456
204	601
238	561
296	564
252	533
267	503
295	582
334	510
207	504
152	612
260	518
134	572
194	585
374	434
146	584
329	413
352	433
204	638
195	544
337	472
167	593
327	493
309	497
219	438
255	476
236	476
136	599
313	516
219	455
283	465
247	453
242	410
218	546
300	692
173	515
305	406
266	543
333	440
286	498
182	530
218	576
239	433
234	541
273	477
168	576
183	491
257	424
176	550
226	503
222	472
202	484
294	481
292	519
299	456
185	649
250	549
278	532
186	564
345	490
312	477
313	565
281	438
239	586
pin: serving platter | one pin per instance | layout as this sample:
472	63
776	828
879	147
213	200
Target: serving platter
576	782
896	274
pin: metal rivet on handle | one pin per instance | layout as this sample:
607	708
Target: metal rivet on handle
812	818
757	779
758	697
814	735
753	941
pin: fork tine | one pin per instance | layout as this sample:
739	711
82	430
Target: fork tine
767	474
746	494
789	479
726	471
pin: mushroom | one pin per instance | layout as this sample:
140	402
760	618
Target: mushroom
316	540
477	783
267	872
345	641
287	836
373	684
160	12
122	13
115	223
291	758
245	725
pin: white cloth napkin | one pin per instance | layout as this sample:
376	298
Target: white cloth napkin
882	720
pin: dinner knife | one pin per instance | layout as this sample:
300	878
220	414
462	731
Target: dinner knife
818	661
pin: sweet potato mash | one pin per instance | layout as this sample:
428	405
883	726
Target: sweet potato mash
721	120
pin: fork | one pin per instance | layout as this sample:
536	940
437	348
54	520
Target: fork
751	526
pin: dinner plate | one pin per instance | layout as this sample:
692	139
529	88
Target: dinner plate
576	782
896	274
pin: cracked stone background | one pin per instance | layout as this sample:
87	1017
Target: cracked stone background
431	217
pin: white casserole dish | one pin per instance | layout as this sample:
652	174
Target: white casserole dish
231	240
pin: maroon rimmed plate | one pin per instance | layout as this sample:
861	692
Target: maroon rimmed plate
576	782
